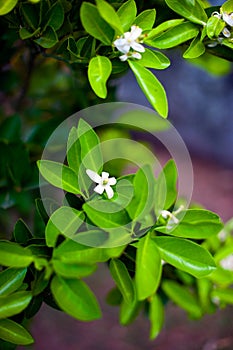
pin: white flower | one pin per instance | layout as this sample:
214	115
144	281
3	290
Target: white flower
226	32
172	219
103	181
130	40
227	263
228	18
136	55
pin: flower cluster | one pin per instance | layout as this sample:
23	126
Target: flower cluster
130	44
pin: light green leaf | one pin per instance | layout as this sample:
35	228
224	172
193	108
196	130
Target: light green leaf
6	6
146	19
227	6
196	49
224	295
75	298
195	223
59	175
13	332
11	279
122	279
154	59
182	297
72	270
12	254
95	25
73	150
174	36
99	71
185	255
129	311
108	13
151	87
156	316
13	304
127	13
48	39
214	27
148	268
193	11
163	27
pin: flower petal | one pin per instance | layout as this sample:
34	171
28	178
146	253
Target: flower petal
135	32
136	55
137	47
226	32
124	57
109	191
105	175
228	18
112	181
99	189
93	176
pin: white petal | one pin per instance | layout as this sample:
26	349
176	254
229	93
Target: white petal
136	55
226	32
137	47
93	176
228	18
165	214
112	181
109	191
99	189
105	175
135	32
124	58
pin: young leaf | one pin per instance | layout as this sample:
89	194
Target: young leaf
12	254
99	71
196	49
13	304
192	11
75	298
108	13
148	268
59	175
185	255
127	13
151	87
95	25
122	279
182	297
154	59
11	279
72	270
13	332
6	6
146	19
156	315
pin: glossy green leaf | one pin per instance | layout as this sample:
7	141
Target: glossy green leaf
56	15
185	255
224	295
21	232
59	175
174	36
12	254
146	19
75	298
214	27
192	11
95	25
13	332
156	316
48	39
73	150
151	87
181	296
6	6
227	6
127	14
164	26
13	304
128	312
99	71
196	224
11	279
148	268
65	221
108	13
196	49
72	270
154	59
122	279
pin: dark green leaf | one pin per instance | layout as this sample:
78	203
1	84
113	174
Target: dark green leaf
21	232
129	311
10	129
48	39
14	333
55	16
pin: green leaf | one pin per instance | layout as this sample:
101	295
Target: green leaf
13	332
163	27
48	39
196	49
127	14
99	71
148	268
11	279
65	221
12	254
193	11
185	255
114	297
55	16
146	19
214	27
224	295
6	6
154	59
25	34
59	175
122	279
144	183
156	316
72	270
108	13
13	304
21	232
227	6
174	36
151	87
10	129
75	298
182	297
129	311
95	25
165	190
196	224
30	15
73	150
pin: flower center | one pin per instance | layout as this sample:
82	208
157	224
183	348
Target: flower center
105	182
